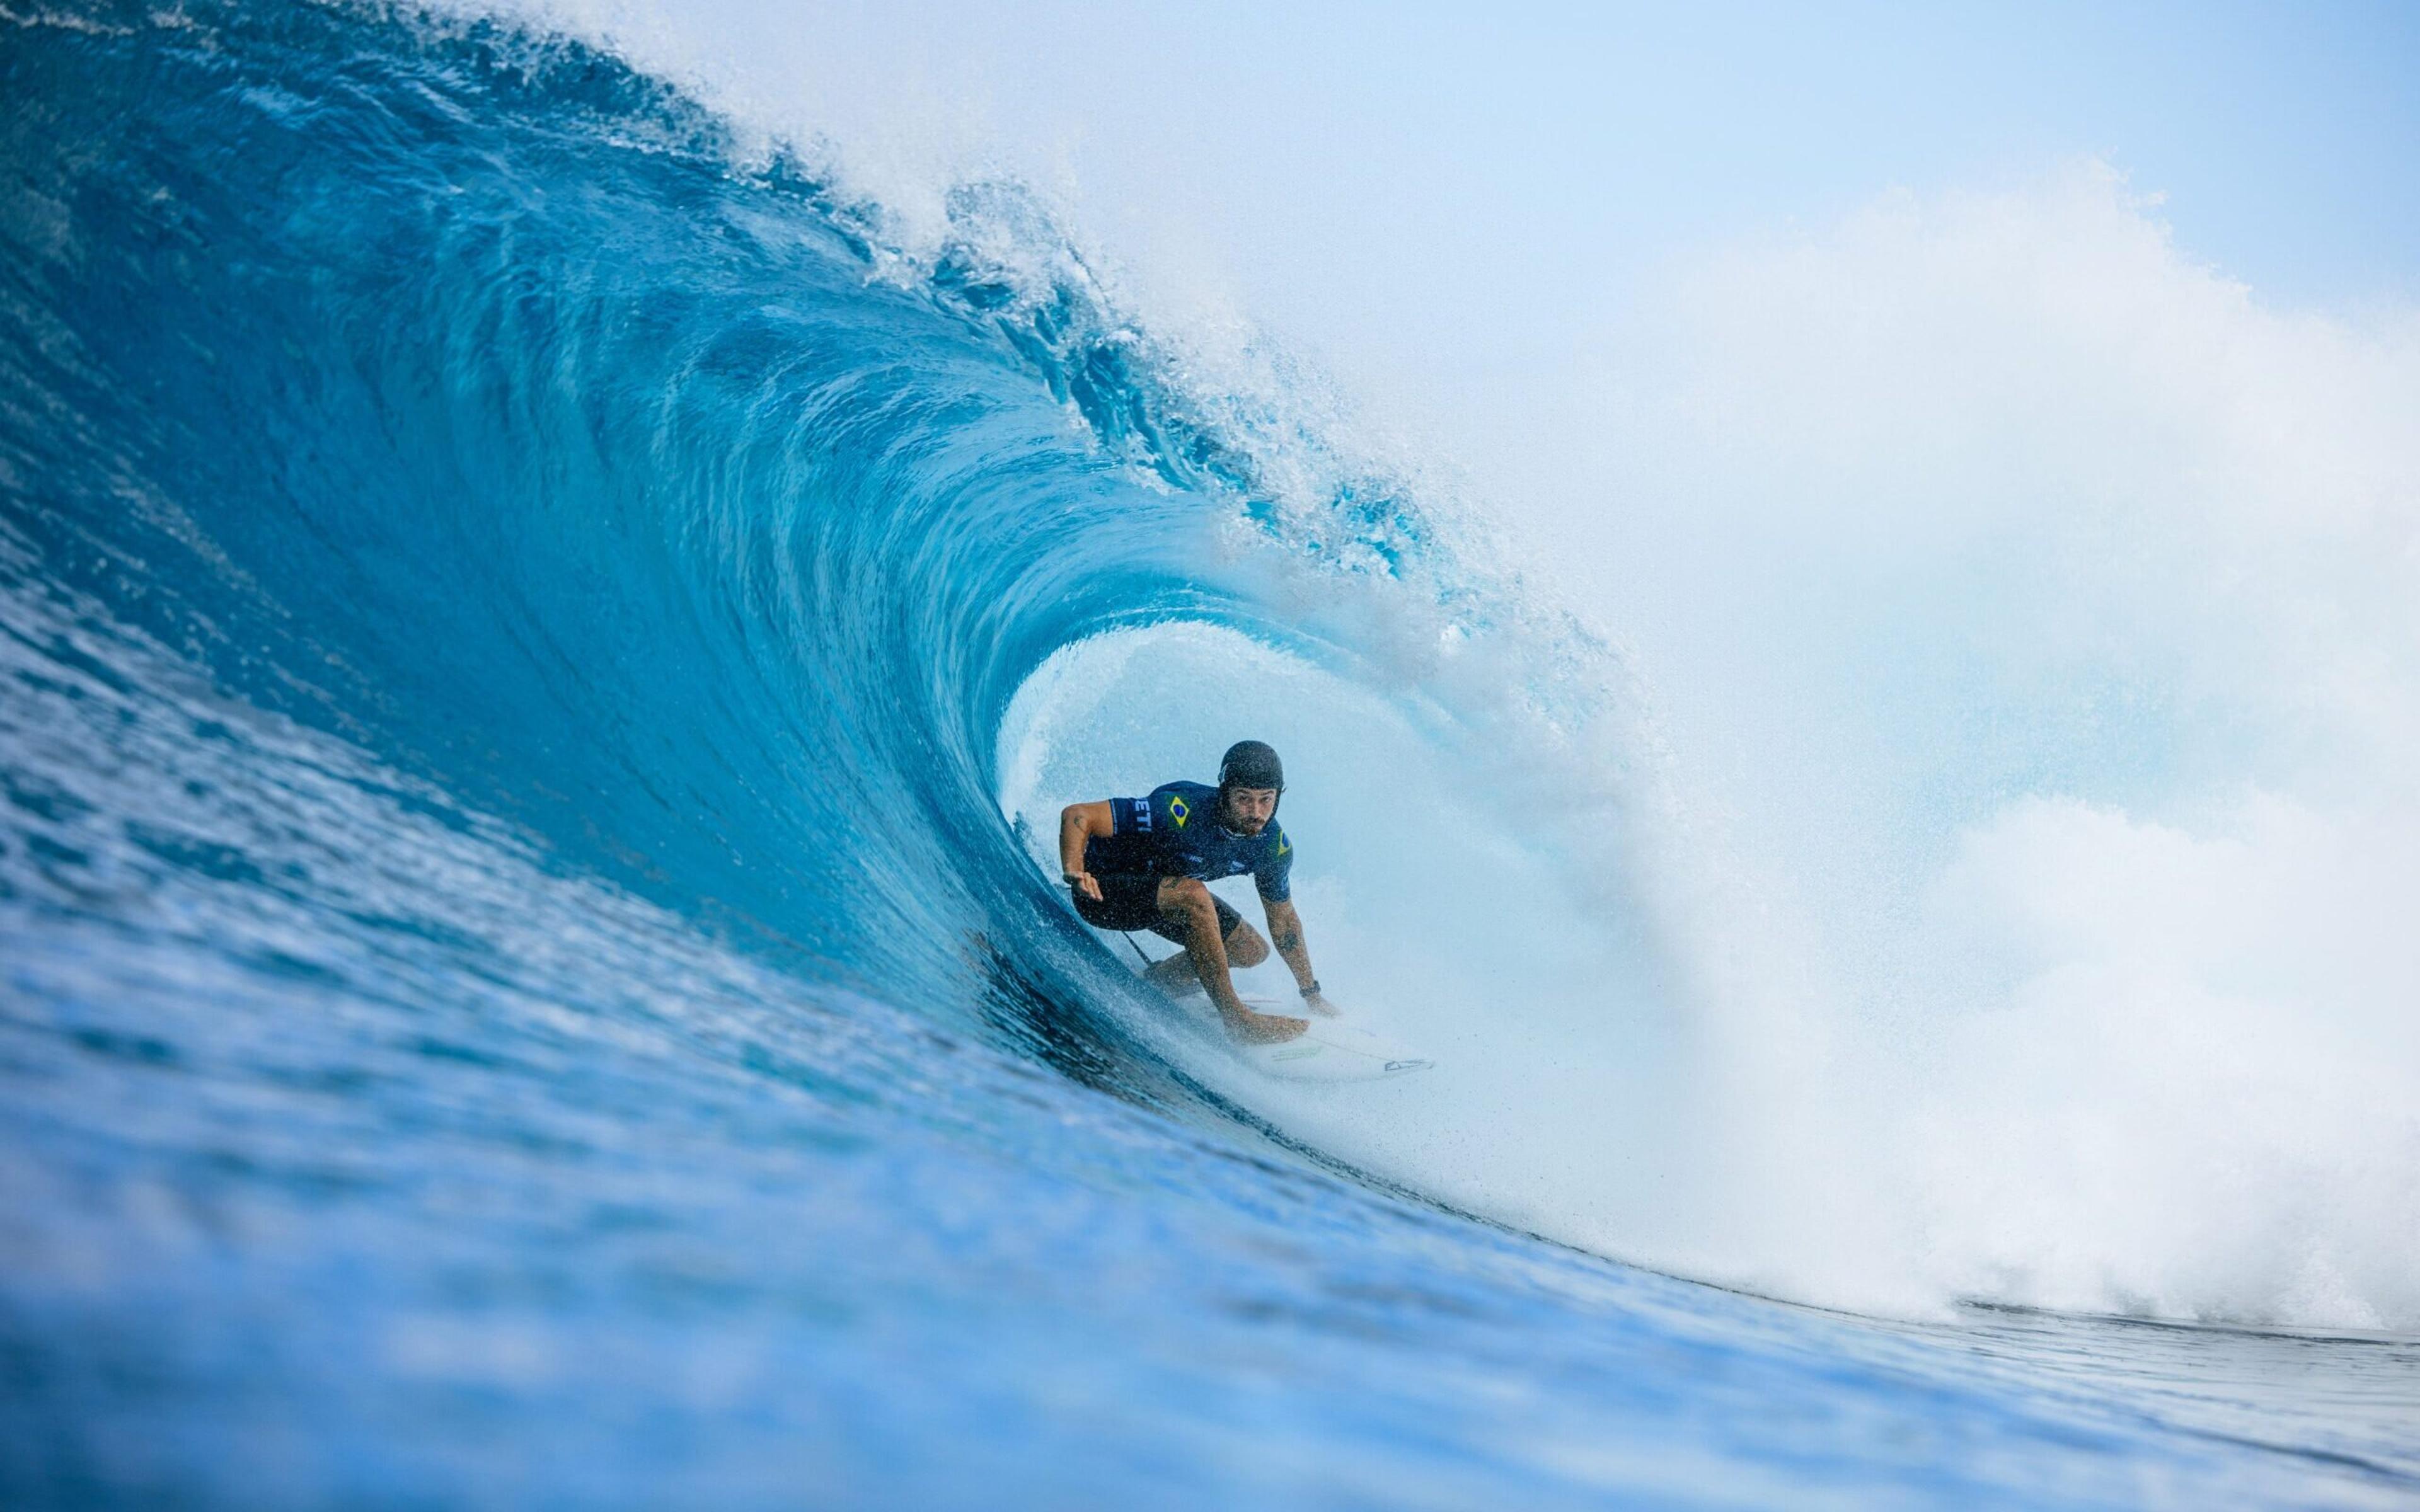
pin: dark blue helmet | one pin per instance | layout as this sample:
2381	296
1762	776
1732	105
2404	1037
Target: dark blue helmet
1251	764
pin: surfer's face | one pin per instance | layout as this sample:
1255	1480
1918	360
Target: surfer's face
1248	809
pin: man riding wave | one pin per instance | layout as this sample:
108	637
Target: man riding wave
1141	863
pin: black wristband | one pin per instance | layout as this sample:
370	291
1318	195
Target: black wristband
1311	991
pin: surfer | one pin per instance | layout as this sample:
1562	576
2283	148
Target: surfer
1141	863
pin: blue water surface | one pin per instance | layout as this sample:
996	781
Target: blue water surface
517	989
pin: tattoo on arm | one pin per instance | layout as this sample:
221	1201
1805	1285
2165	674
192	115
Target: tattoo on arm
1286	932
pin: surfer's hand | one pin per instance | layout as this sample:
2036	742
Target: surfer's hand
1085	882
1322	1007
1264	1028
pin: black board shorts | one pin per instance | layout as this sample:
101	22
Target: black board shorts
1133	903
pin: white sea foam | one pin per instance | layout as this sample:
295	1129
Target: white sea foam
2008	893
2030	610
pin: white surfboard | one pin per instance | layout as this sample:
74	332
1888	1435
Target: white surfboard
1332	1050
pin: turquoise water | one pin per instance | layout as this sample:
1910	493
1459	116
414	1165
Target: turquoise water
520	989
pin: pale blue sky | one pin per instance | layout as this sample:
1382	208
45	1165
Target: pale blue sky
1447	208
1544	141
1426	193
2285	139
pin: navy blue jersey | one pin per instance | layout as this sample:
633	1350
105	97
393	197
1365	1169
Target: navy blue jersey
1175	833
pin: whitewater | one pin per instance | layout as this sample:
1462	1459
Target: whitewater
550	611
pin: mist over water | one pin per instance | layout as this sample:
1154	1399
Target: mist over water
2033	603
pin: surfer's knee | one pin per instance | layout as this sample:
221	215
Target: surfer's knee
1244	947
1189	900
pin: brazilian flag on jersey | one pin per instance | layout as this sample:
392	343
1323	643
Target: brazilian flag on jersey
1174	832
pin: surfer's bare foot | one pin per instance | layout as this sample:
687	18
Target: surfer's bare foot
1322	1007
1264	1028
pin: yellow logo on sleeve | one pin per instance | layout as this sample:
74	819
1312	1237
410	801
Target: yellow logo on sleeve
1177	811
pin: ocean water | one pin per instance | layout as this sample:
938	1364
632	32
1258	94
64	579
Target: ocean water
543	638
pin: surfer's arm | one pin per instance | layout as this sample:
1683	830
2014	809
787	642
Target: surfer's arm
1286	932
1078	824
